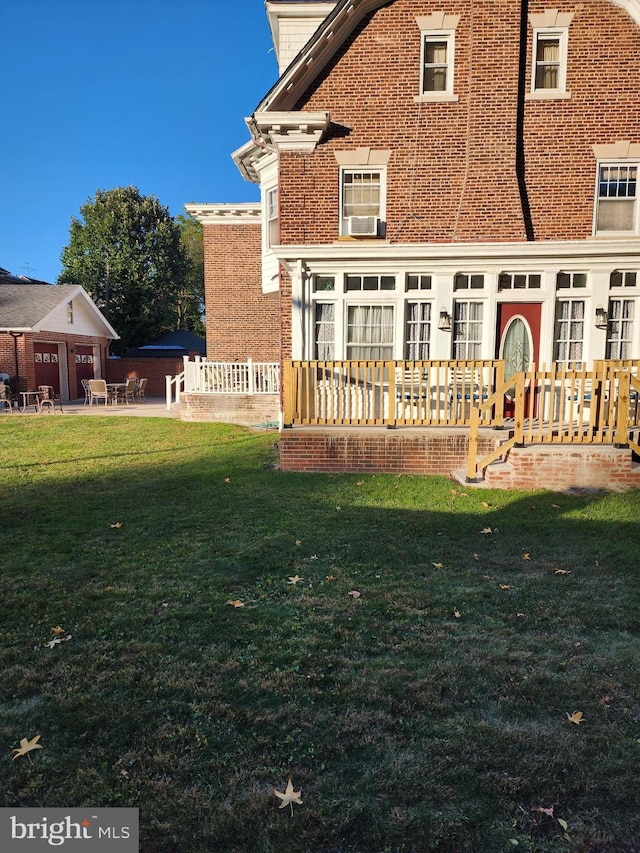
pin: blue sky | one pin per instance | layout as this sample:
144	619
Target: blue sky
98	94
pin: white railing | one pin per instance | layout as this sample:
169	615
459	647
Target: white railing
202	376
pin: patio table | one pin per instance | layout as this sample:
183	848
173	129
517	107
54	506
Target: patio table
26	401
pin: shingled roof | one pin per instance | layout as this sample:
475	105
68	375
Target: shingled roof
26	303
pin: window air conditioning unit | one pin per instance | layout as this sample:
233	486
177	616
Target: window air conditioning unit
362	226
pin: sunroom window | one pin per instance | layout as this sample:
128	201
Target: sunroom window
620	328
325	324
569	337
369	332
417	331
467	329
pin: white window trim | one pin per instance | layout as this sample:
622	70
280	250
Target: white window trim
382	213
562	33
448	36
616	161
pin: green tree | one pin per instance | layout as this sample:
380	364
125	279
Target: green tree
191	298
126	251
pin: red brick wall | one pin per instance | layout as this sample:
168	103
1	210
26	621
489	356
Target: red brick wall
154	370
561	468
26	364
405	451
451	175
242	322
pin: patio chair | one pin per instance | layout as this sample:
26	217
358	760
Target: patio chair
5	397
98	391
129	391
142	384
85	388
47	398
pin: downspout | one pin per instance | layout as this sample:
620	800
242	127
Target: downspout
520	149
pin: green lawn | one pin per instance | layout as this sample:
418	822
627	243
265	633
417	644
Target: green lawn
429	713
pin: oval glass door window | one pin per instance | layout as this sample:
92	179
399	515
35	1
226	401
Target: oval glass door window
515	347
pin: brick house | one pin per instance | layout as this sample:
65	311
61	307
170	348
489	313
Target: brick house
51	335
452	181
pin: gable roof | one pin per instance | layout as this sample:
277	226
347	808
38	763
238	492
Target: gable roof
25	307
330	37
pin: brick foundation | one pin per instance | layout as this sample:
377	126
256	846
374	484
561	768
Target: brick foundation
443	452
243	409
399	451
562	468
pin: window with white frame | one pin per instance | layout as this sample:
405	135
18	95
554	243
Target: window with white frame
70	312
370	282
620	328
623	278
617	206
417	331
569	333
519	281
325	331
571	280
362	202
437	63
437	54
550	61
369	332
468	281
467	329
273	236
418	282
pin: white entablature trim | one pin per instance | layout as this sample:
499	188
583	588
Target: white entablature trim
438	255
226	214
289	131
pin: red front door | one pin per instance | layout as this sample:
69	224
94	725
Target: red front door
85	368
518	339
47	367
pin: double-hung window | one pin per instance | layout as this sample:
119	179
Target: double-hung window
617	198
549	54
437	53
437	64
325	325
569	334
417	331
272	217
467	329
549	68
362	202
620	328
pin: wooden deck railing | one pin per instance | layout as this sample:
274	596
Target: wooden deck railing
598	406
390	393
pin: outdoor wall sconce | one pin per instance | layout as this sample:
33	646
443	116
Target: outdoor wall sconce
601	317
444	323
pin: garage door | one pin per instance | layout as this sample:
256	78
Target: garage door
47	366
